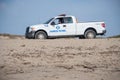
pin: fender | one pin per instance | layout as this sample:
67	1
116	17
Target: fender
91	29
40	30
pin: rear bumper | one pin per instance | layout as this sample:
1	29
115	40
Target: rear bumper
29	34
103	32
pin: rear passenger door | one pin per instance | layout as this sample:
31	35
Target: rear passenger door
70	26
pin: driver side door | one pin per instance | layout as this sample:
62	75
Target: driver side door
56	28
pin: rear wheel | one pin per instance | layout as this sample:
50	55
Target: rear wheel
90	34
41	35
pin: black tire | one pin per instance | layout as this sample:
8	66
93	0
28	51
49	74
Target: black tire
81	37
90	34
40	35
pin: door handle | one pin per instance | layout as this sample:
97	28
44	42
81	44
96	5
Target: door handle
64	25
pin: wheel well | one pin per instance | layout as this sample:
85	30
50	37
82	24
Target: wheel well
91	29
40	30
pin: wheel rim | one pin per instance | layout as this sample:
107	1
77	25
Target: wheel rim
41	36
90	35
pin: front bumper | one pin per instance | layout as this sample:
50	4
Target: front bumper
29	34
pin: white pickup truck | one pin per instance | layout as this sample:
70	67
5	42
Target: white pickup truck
65	26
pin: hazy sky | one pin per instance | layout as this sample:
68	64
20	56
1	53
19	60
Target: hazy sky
16	15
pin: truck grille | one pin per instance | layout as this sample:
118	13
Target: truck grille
27	31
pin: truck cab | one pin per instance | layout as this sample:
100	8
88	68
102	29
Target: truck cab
64	26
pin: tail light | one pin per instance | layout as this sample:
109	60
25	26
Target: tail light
103	25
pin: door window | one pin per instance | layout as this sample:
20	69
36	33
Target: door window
62	20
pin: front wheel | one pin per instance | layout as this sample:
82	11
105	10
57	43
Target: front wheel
90	34
40	35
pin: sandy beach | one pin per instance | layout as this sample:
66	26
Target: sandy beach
60	59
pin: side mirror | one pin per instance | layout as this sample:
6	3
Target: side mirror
53	23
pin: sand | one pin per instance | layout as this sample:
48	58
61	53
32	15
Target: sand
60	59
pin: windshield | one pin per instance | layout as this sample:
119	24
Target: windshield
48	21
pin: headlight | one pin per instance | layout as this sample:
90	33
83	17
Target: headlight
32	29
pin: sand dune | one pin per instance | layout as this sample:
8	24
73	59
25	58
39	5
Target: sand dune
60	59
